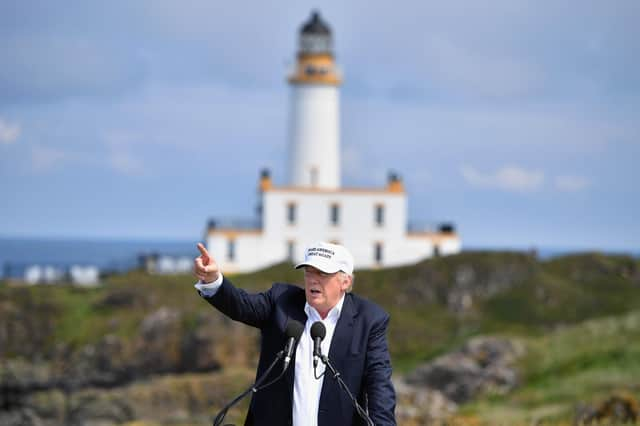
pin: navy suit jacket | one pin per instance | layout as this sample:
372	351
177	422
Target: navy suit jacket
358	351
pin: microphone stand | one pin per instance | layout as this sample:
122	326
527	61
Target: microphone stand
253	388
343	385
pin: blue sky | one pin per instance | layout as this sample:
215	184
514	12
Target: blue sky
517	120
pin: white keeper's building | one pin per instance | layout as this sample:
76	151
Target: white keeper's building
371	222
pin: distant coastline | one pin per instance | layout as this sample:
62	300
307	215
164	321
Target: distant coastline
122	254
551	252
113	255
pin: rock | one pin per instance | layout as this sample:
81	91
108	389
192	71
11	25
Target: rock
22	417
123	298
156	323
104	363
464	280
21	375
459	301
616	409
164	344
421	406
48	405
96	408
158	348
198	348
26	325
482	364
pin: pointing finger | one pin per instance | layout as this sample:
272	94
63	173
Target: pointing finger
204	253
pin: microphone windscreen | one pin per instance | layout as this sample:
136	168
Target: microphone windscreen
294	329
318	330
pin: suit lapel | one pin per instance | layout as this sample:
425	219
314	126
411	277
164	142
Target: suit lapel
343	333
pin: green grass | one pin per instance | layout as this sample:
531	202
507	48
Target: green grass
578	316
585	363
537	297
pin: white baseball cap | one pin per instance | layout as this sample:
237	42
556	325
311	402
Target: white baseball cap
327	257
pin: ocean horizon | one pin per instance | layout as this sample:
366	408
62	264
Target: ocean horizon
107	254
122	254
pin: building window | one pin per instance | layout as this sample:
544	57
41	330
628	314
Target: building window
334	214
377	253
291	250
379	214
231	249
291	213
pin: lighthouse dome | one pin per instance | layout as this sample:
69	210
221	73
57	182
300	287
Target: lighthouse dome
315	37
316	26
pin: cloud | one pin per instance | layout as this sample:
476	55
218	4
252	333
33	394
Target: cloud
453	49
118	154
51	67
45	159
463	70
571	183
121	157
9	132
360	169
496	52
126	163
508	178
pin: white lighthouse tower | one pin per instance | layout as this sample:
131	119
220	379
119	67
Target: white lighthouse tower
314	139
313	205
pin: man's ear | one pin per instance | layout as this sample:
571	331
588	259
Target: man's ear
346	282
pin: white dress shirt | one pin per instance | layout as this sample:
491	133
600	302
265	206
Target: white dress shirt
306	388
209	289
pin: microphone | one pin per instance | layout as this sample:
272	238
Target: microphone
318	331
293	332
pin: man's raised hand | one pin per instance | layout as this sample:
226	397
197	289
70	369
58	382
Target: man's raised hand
205	267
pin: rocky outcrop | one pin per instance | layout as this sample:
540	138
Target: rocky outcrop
483	364
429	395
617	409
420	406
168	399
464	280
21	417
26	324
163	345
149	352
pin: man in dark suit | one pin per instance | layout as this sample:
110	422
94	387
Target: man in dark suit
355	341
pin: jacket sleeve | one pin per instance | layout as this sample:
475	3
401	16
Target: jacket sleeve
380	392
237	304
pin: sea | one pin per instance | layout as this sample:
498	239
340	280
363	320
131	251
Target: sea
122	255
107	255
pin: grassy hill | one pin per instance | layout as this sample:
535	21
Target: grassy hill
570	367
577	314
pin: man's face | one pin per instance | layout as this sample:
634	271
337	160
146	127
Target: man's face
324	290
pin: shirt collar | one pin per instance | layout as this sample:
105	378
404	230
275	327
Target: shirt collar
334	313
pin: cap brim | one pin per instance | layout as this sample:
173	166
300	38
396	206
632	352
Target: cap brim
324	267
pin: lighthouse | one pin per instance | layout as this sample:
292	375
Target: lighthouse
313	205
314	133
